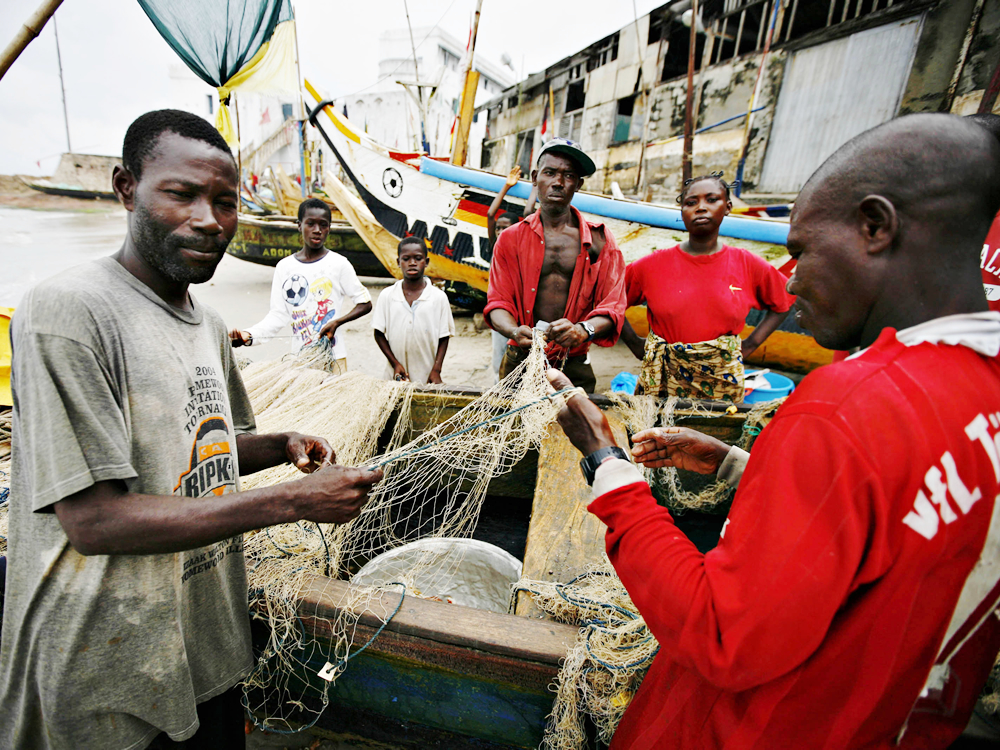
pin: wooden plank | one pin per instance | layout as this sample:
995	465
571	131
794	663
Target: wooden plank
506	635
564	539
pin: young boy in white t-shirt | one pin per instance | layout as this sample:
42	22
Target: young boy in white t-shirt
413	320
311	291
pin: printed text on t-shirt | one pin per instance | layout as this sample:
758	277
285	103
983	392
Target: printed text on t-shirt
924	519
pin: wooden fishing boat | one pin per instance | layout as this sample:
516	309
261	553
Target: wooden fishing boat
85	176
445	676
442	675
266	241
404	194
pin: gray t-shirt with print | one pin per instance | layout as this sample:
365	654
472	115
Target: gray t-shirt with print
112	383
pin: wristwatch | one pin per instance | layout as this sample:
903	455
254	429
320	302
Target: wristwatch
590	463
589	328
249	341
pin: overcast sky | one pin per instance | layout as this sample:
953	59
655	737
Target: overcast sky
116	65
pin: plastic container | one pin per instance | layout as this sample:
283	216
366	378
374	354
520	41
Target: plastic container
467	572
779	386
624	382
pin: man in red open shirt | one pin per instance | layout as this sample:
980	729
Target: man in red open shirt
559	269
851	601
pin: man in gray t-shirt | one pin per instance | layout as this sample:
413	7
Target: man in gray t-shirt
126	611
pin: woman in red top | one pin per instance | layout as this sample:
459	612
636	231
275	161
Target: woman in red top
697	296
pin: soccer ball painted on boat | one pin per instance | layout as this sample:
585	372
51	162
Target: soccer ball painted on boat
295	290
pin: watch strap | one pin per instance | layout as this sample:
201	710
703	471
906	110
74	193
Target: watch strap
589	464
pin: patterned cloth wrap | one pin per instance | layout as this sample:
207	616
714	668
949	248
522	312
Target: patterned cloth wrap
705	369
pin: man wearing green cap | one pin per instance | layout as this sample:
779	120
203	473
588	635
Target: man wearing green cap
559	269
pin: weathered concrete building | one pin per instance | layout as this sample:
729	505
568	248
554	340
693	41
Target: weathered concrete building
835	69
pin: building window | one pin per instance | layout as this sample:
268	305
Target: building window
656	27
490	151
741	27
675	58
512	101
448	59
623	119
211	103
575	96
286	111
571	125
603	52
524	150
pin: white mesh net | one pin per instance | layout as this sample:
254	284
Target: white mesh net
434	486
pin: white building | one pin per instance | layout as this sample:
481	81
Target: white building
261	118
391	115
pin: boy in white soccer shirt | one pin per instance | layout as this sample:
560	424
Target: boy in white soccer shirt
311	290
413	320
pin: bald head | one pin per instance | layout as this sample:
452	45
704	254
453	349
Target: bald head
941	174
889	230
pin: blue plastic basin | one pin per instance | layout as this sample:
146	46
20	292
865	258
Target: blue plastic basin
780	386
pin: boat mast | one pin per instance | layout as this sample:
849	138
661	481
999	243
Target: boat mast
62	86
461	145
302	111
421	107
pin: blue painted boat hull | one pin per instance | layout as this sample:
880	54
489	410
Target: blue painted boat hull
757	230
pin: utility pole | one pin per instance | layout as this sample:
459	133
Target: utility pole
461	146
62	86
688	114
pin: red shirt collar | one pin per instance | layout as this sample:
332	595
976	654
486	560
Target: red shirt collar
586	240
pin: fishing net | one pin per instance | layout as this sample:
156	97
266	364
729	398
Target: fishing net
607	662
991	693
684	491
434	486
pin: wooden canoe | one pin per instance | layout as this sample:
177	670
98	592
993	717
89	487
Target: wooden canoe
441	675
266	241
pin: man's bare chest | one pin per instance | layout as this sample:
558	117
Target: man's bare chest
561	252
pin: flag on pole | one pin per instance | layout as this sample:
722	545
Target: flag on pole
548	112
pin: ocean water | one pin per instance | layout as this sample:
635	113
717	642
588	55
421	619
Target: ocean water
37	244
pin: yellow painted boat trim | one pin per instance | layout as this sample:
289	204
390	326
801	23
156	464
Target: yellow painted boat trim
5	352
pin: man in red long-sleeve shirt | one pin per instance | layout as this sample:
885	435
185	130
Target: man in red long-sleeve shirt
852	600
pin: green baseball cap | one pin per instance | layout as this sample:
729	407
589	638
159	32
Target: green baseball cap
572	150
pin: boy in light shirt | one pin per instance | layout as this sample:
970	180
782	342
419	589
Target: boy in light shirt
312	291
413	320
